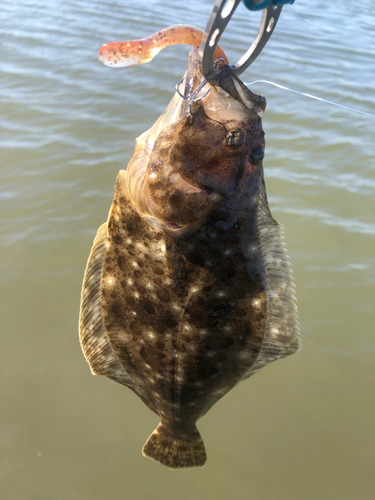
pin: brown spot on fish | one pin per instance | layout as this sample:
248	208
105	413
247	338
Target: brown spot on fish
188	288
149	308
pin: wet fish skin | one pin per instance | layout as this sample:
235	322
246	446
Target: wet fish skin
188	288
182	169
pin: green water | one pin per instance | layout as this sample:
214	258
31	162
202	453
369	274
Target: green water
302	428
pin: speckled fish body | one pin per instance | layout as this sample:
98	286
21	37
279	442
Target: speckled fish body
188	288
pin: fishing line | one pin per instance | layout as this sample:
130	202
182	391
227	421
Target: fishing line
313	97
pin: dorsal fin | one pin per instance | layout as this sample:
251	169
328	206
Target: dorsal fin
282	336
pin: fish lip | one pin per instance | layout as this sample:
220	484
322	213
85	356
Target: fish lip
194	188
201	190
173	225
172	228
179	182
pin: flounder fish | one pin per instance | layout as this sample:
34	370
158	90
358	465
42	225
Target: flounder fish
188	288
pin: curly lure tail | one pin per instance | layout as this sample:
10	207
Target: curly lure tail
131	52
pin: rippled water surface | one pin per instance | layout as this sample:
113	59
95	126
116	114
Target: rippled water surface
303	428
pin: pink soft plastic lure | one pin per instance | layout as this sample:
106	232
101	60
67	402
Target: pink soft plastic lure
129	53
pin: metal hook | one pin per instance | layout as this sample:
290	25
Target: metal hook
196	91
221	15
178	90
193	96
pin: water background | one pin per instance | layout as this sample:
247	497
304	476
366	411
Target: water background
302	428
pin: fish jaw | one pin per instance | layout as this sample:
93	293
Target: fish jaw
192	160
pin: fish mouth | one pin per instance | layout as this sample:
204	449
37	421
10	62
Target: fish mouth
188	193
181	197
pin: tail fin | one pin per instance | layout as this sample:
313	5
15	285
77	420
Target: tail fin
175	453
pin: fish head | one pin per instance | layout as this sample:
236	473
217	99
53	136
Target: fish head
200	150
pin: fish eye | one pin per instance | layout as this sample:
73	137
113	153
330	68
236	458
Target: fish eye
257	155
235	138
